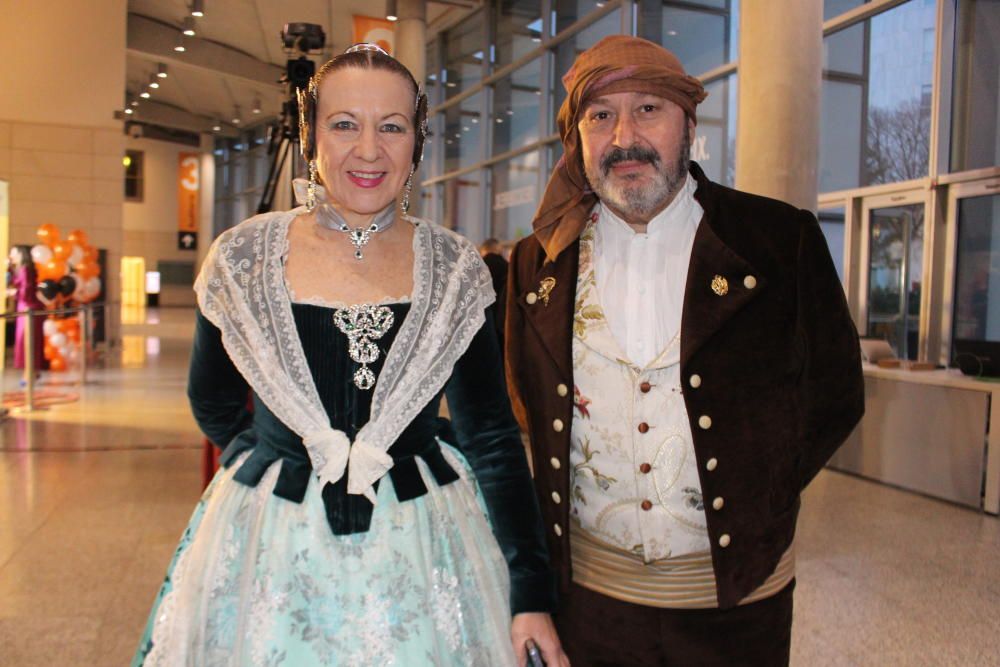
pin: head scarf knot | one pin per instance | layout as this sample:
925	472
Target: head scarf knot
616	64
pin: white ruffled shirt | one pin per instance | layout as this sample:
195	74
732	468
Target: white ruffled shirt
641	277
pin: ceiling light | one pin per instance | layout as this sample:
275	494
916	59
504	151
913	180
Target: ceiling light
128	110
153	82
134	103
188	26
217	126
390	10
198	8
256	105
145	95
161	70
236	115
179	44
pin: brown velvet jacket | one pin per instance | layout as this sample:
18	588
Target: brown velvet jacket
778	373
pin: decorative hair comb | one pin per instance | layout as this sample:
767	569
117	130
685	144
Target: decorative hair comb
366	46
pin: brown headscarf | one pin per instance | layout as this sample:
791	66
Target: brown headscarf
616	64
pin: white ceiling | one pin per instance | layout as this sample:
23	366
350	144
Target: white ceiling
236	56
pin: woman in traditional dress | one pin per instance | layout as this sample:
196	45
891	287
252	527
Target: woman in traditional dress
349	524
23	287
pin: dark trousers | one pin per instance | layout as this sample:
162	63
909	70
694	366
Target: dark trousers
599	631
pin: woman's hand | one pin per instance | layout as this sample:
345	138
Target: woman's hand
539	627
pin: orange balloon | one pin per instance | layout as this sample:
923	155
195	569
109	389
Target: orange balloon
73	335
89	253
49	351
54	269
77	236
48	234
61	250
87	269
57	364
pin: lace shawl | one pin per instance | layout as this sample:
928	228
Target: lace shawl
241	290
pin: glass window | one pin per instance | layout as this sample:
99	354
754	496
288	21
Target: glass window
977	274
566	52
515	108
702	38
515	196
832	8
133	175
879	102
463	54
831	221
568	12
518	29
463	145
714	146
896	246
975	141
462	205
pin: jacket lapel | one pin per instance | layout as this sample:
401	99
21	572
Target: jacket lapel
553	321
718	286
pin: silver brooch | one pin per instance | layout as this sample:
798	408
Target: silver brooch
362	324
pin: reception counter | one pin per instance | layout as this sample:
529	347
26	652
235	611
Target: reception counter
930	432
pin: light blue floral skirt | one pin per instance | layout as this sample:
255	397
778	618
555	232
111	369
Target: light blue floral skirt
259	580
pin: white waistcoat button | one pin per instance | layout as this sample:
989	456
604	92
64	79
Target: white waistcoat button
562	389
557	425
695	381
558	530
554	462
718	503
710	465
723	541
704	422
556	498
531	298
749	282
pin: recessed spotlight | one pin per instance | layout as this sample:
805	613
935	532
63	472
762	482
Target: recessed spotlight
188	26
145	95
128	110
198	8
390	10
161	71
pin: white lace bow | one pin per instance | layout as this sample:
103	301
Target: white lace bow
241	290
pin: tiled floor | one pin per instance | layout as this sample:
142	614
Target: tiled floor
94	495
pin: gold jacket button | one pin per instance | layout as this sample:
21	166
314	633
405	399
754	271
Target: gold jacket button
554	462
556	498
704	422
724	540
557	425
531	298
718	503
710	465
558	530
695	381
562	389
749	282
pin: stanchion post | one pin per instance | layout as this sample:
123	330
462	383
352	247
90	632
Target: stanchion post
84	341
29	362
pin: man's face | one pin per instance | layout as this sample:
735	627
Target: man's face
636	150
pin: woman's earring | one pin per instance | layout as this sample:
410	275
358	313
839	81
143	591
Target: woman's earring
311	191
405	204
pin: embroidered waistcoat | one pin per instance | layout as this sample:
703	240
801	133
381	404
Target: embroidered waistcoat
634	477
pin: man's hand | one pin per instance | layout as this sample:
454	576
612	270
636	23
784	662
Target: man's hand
537	626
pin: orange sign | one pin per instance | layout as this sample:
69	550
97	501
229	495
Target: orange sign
187	192
375	31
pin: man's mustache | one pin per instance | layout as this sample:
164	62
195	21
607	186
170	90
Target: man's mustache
633	154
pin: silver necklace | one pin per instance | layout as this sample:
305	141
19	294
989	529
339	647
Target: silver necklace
327	216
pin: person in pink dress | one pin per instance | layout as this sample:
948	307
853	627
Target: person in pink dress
23	287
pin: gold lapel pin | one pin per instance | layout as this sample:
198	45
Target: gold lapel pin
720	285
545	289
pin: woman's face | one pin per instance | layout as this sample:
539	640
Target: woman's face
364	138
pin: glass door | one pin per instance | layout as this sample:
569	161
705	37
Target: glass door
893	278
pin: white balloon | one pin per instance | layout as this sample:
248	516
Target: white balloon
66	351
40	254
75	255
93	288
49	327
79	292
73	354
57	339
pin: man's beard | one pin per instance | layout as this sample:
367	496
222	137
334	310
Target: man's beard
629	196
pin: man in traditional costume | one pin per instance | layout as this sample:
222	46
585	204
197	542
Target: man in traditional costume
682	356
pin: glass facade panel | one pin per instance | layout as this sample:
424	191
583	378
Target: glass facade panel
975	139
463	55
518	29
463	132
567	12
515	196
701	38
895	276
567	51
462	204
714	146
831	221
893	80
515	108
977	274
832	8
